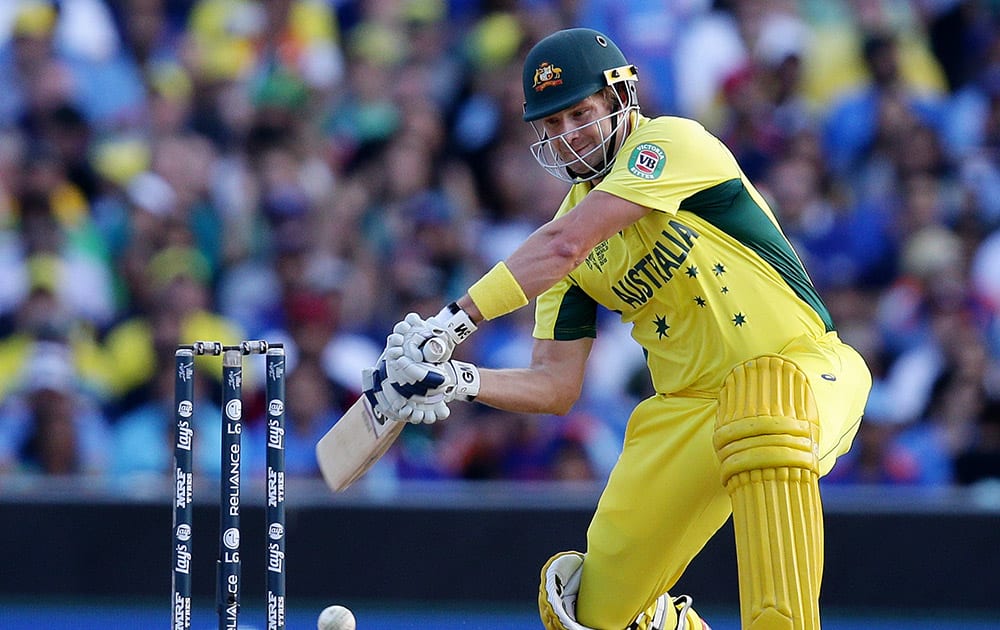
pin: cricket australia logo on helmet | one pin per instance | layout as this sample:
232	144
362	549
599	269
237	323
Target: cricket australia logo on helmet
546	75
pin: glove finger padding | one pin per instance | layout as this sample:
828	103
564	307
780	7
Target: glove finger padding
414	410
413	344
421	375
394	341
427	407
414	333
408	323
427	413
422	404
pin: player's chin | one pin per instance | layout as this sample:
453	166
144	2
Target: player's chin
581	168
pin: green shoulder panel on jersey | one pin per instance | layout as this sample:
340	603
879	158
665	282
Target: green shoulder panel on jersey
577	316
729	207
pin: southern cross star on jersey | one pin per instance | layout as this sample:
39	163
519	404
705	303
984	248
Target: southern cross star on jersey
661	326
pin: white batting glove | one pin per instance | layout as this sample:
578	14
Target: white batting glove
402	402
449	327
453	380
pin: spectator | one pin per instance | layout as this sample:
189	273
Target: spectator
181	309
932	446
858	121
48	425
68	52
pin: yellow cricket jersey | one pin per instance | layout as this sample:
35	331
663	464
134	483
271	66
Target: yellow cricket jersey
706	279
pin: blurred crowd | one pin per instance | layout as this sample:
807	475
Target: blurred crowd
309	171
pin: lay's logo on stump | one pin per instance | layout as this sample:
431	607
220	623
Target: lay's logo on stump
647	161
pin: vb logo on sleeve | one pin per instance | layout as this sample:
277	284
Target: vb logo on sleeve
647	161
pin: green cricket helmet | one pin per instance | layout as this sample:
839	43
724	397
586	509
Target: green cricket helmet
563	69
567	67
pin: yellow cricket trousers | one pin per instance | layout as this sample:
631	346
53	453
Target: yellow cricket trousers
664	499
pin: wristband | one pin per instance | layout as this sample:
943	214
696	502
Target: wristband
497	293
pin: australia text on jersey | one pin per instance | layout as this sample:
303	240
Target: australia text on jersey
657	267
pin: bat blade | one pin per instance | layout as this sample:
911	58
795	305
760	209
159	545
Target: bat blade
355	442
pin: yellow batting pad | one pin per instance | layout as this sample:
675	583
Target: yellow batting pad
558	591
766	438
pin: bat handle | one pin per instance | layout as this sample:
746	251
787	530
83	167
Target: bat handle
434	350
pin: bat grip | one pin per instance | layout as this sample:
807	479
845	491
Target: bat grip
434	350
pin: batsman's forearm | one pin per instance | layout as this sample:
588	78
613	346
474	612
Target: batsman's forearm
524	391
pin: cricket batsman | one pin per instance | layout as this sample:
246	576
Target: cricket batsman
756	396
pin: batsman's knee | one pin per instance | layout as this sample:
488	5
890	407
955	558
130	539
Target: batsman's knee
767	419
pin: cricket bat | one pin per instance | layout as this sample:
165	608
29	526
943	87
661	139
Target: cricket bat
361	437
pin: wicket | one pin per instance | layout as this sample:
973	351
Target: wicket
228	565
